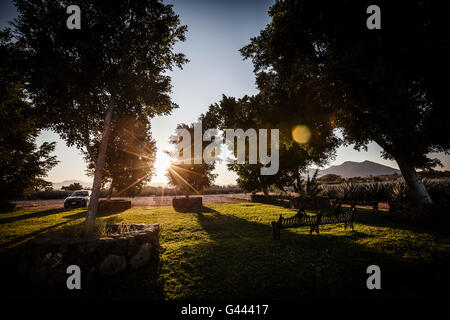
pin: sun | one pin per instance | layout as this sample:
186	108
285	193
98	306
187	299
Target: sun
162	162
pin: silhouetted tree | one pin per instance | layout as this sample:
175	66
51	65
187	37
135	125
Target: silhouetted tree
40	184
319	58
130	157
22	163
72	187
258	112
81	80
191	178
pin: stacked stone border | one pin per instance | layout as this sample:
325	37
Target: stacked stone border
127	247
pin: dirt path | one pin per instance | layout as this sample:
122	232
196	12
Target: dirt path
137	202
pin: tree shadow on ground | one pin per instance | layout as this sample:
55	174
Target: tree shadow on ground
243	261
33	234
240	260
203	209
68	218
31	215
100	214
382	220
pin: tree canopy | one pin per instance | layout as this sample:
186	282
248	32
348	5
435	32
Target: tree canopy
130	157
73	187
80	80
317	60
191	177
22	163
260	112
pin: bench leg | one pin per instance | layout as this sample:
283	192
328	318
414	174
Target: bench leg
314	228
276	231
349	224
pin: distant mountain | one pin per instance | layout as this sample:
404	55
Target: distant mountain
350	169
58	185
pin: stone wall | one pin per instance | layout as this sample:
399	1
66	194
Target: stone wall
192	203
127	247
112	205
275	200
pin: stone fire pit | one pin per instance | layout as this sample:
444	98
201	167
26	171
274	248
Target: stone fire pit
126	247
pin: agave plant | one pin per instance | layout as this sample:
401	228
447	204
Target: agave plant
439	190
348	191
309	188
376	191
397	191
329	191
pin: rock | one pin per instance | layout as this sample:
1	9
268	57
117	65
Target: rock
140	226
104	245
45	260
112	264
119	246
143	237
132	246
142	257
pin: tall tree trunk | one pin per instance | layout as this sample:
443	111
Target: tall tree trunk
98	174
265	191
416	187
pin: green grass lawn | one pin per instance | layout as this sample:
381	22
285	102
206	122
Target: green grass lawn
227	252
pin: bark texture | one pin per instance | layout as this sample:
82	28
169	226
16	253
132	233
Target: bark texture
98	174
416	187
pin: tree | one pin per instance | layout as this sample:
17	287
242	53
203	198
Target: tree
22	163
40	184
374	84
130	157
191	178
295	156
72	187
114	66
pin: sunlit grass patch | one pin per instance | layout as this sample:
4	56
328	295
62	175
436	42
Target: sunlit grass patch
226	251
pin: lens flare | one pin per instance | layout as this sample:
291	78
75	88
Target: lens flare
301	134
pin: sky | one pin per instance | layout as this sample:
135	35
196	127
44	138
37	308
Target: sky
216	31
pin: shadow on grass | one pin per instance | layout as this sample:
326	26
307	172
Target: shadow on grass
242	261
38	214
203	209
381	220
33	234
68	218
44	230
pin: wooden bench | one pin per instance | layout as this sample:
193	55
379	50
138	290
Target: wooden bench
312	221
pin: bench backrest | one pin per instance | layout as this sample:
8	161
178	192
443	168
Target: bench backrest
315	220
